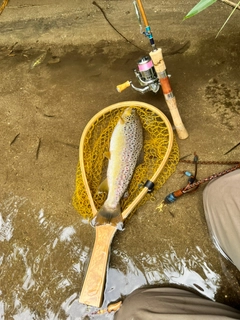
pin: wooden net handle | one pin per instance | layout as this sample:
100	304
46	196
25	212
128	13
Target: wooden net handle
94	282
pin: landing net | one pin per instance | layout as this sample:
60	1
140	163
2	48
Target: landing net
96	145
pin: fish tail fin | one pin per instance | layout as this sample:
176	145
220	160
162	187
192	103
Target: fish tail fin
106	216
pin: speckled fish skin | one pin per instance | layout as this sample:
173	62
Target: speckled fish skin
125	147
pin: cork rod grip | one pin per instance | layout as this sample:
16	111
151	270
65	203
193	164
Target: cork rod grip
160	68
180	128
94	282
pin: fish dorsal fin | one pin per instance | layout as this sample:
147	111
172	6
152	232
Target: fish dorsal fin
103	187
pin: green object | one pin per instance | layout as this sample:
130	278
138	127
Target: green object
228	19
202	5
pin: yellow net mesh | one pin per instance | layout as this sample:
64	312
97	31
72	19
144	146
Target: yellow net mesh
96	143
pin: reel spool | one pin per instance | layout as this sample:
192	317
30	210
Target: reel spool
146	76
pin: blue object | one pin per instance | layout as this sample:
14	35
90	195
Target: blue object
187	173
170	198
148	34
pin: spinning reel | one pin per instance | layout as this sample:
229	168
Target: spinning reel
146	75
152	74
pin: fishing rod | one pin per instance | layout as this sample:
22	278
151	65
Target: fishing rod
152	73
148	33
194	184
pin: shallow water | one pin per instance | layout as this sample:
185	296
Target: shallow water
45	244
42	264
32	250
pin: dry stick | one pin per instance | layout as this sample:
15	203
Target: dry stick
230	3
106	18
38	147
232	148
14	139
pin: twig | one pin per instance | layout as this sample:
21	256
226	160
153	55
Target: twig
38	147
14	139
104	14
231	4
232	148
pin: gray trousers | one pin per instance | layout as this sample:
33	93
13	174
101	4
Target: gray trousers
172	304
221	199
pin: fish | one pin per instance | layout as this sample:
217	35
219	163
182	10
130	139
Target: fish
125	147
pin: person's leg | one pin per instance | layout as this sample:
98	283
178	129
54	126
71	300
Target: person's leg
171	304
221	200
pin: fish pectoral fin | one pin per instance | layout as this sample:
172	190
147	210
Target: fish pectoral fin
103	187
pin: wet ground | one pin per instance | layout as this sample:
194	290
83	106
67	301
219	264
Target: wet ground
45	243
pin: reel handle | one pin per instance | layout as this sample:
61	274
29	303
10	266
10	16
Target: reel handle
123	86
94	282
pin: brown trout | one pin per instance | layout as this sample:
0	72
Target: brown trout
125	147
